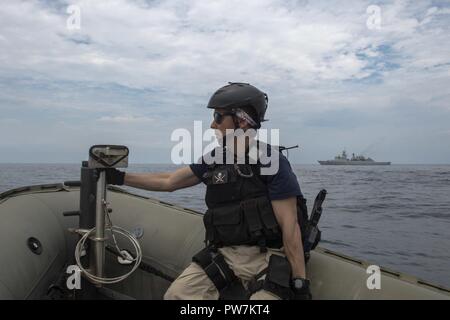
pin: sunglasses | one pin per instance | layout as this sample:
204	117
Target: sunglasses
218	117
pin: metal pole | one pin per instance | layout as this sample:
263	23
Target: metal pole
100	225
87	197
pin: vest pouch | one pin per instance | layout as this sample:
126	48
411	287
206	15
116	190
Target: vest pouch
221	190
228	225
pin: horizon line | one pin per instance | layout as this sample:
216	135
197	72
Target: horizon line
166	163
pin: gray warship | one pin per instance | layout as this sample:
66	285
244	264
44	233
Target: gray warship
357	160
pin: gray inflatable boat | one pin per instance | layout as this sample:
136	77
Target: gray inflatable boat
37	248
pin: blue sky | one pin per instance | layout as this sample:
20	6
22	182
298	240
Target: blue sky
137	70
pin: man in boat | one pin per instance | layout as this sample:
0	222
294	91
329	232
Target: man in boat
254	221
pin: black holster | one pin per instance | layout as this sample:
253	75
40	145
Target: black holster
227	284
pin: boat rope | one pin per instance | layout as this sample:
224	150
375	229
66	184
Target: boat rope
113	229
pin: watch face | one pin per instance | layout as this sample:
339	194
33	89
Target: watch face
298	283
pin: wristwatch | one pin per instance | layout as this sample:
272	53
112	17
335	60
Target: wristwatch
300	283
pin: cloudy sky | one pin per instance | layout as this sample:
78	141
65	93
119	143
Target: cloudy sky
369	76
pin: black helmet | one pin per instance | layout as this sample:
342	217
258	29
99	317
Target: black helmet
237	95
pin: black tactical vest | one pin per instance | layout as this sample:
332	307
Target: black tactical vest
239	210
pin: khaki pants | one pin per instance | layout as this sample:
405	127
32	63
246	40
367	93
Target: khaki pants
245	261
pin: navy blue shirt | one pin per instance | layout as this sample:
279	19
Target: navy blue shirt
281	185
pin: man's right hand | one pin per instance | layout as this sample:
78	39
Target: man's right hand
114	176
300	289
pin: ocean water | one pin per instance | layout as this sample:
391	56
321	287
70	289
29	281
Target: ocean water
395	216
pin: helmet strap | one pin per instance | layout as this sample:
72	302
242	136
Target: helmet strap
236	122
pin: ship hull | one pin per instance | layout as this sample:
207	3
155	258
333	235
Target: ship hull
353	163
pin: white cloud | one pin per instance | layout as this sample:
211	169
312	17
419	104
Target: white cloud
310	57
